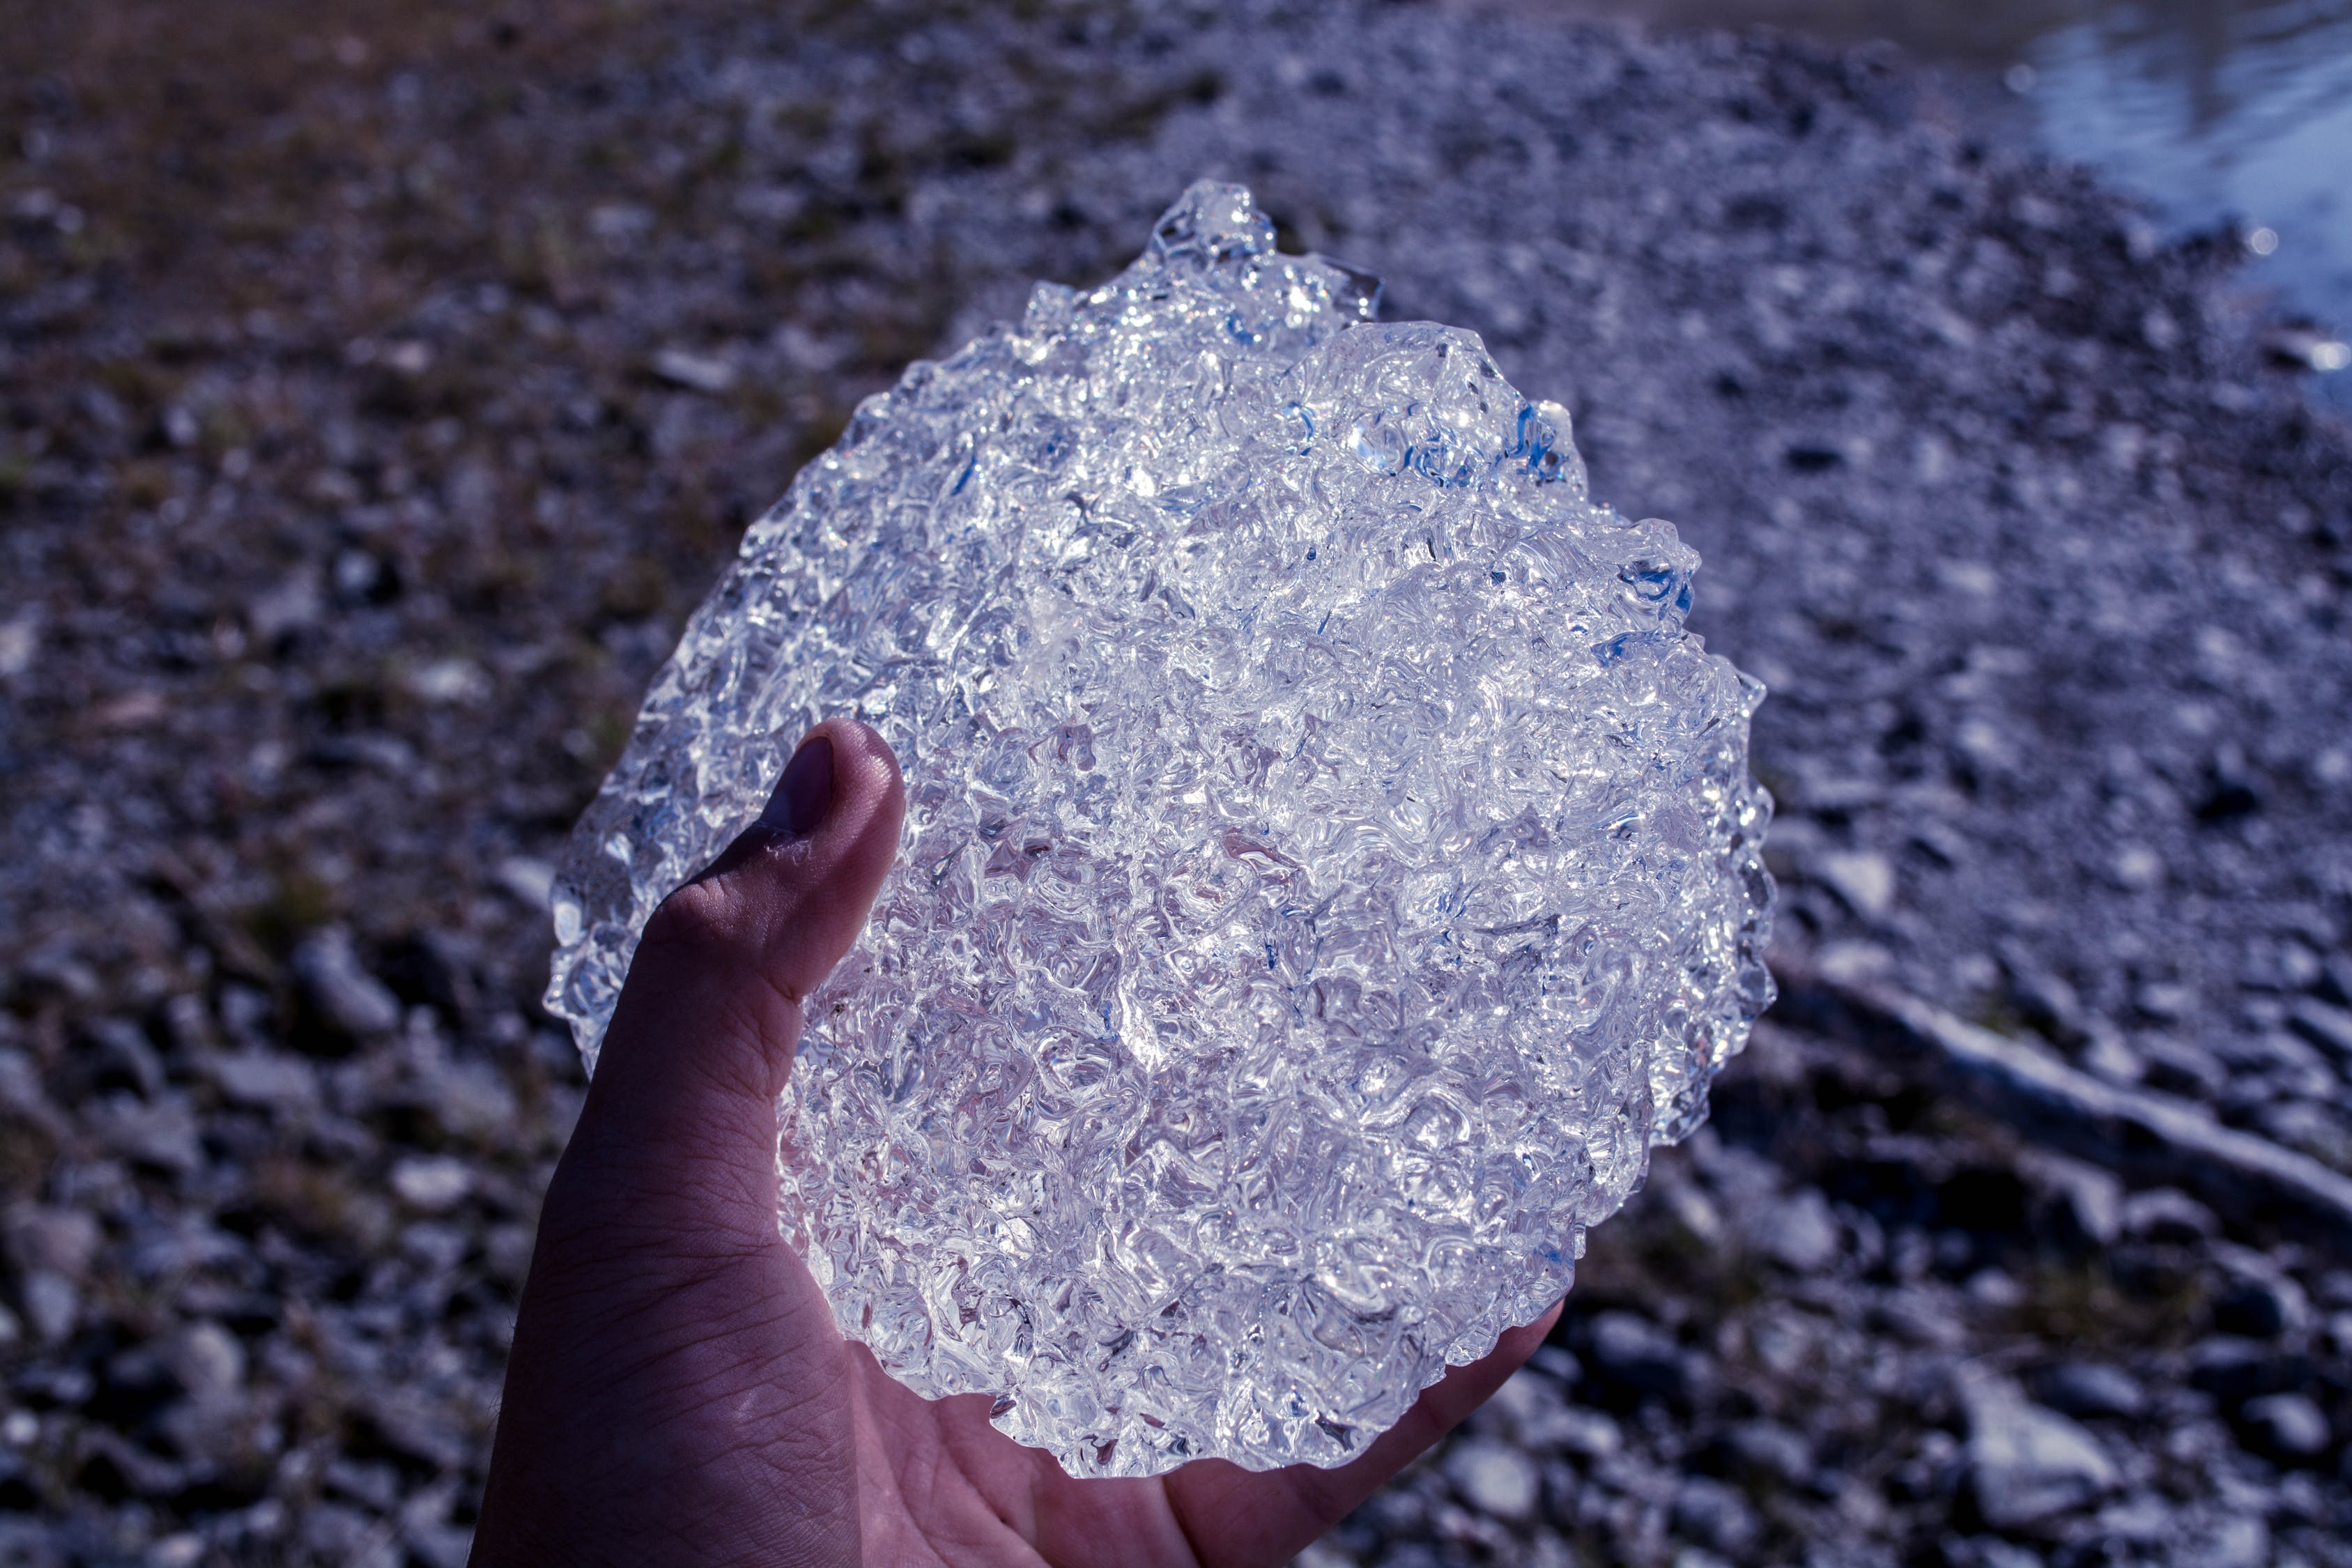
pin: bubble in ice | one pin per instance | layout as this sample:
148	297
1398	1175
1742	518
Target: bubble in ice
1329	865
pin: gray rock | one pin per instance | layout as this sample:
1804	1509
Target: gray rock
1495	1479
293	605
2336	985
1994	1287
1864	879
2285	1426
2329	1028
2287	1064
135	1467
183	1550
2103	1053
63	1241
161	1132
1854	962
529	881
696	372
2027	1465
2282	965
1591	1434
2141	1519
2262	1305
2046	1000
1799	1233
21	1091
2169	1215
2177	1067
205	1359
440	1247
1768	1448
212	1428
2091	1199
432	1184
375	1483
1527	1400
1693	1210
270	1080
124	1047
340	988
342	1534
246	1015
2240	1541
2233	1370
411	1424
440	1545
2309	1127
469	1100
1922	1315
424	1525
2095	1388
189	1023
1636	1351
1989	1552
52	1304
1712	1515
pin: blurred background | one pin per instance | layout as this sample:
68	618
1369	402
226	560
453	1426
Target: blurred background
380	387
2209	112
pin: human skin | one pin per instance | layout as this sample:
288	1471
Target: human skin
678	1393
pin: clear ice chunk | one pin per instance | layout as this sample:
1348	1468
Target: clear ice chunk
1329	865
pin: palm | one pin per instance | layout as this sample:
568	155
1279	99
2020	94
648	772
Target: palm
678	1393
687	1389
937	1483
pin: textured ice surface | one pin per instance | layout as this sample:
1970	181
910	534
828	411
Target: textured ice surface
1328	866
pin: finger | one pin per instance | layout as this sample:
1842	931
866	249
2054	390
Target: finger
1233	1515
703	1036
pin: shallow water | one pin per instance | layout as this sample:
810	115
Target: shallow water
2236	111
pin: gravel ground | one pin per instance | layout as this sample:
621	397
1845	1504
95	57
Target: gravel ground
377	394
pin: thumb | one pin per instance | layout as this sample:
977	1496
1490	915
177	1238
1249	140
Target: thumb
683	1100
670	1351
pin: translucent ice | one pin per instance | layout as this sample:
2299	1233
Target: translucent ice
1329	865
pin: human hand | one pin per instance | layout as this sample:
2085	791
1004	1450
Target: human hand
678	1393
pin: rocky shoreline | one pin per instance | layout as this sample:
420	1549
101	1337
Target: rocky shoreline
379	395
